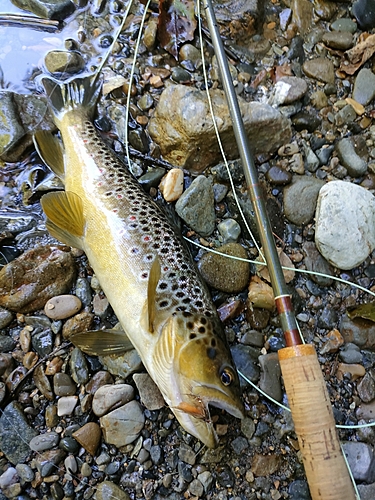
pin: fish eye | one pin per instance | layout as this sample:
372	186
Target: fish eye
226	377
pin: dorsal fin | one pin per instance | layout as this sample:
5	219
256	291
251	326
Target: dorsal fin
153	281
65	221
50	150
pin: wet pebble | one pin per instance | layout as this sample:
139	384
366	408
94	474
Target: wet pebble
7	344
25	473
196	206
344	24
42	382
123	425
63	385
364	86
6	317
109	397
320	69
278	176
149	392
359	457
88	437
344	232
172	184
246	360
81	322
62	306
223	273
7	478
364	12
51	416
47	461
69	445
99	379
78	367
44	441
48	10
63	61
66	405
300	199
42	342
348	150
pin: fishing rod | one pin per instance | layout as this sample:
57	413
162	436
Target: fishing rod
326	470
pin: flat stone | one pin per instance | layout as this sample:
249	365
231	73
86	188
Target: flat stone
81	322
110	397
270	375
344	24
123	425
47	461
107	490
48	9
355	370
358	331
315	262
123	365
366	411
300	199
182	126
78	367
246	361
6	317
351	353
29	281
149	392
289	89
302	15
99	379
366	491
63	385
341	40
196	206
230	230
88	437
7	478
15	433
364	86
223	273
350	152
42	342
62	307
345	229
11	130
264	465
320	69
366	388
64	61
346	115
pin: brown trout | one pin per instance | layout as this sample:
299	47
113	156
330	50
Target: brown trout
142	265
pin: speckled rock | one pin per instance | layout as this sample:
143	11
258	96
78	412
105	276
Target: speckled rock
345	229
81	322
48	9
300	199
123	425
29	281
270	375
15	433
44	441
182	127
149	392
196	206
320	69
340	40
63	61
364	86
360	459
107	490
223	273
6	317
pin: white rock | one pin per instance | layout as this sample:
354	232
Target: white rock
172	184
66	405
345	224
109	397
8	478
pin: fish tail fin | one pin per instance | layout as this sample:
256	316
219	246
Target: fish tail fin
77	93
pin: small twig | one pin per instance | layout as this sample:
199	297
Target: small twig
26	21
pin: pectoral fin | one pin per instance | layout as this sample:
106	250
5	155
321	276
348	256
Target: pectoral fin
102	342
50	150
153	281
65	220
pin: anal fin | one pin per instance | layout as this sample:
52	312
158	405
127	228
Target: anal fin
50	150
65	221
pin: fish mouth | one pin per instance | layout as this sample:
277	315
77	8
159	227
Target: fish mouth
194	414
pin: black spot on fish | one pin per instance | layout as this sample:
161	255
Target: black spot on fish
213	342
201	329
211	353
192	336
199	303
163	285
163	303
203	320
190	325
187	315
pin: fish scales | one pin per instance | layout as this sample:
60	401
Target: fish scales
142	265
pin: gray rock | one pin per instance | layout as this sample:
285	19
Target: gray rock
206	478
247	427
11	130
196	488
8	478
288	89
350	151
312	161
351	354
47	461
299	490
366	388
15	434
344	24
63	61
196	206
78	367
316	263
7	344
83	291
25	473
63	385
230	230
345	229
122	426
109	397
364	86
123	365
6	317
341	40
360	460
44	441
300	199
239	445
364	12
270	375
246	361
182	126
149	392
48	9
366	491
187	454
345	116
320	69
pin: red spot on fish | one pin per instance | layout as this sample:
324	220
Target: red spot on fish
165	269
101	170
115	210
147	238
100	184
85	141
119	196
132	217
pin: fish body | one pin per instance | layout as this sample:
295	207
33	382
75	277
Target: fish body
142	265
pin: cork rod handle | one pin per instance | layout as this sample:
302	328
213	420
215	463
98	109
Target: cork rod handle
312	414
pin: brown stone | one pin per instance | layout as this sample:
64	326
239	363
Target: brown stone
88	437
264	465
79	323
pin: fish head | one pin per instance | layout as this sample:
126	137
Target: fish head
203	374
